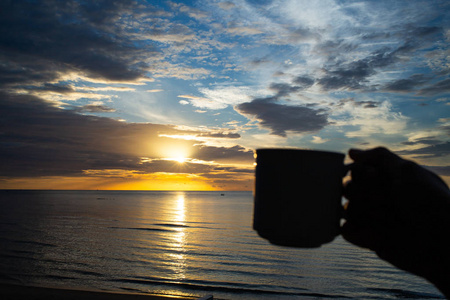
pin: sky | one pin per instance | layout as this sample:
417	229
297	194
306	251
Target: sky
177	95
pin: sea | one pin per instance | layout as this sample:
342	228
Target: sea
178	243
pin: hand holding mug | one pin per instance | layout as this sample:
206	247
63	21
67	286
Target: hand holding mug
401	211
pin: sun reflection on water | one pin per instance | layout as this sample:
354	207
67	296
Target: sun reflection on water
176	254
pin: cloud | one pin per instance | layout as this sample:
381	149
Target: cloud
104	89
227	5
94	108
432	151
421	141
201	102
368	120
225	154
407	85
313	14
284	89
199	136
228	135
353	103
304	82
242	30
345	72
67	37
176	34
181	71
38	139
280	118
440	87
219	97
319	140
190	11
354	75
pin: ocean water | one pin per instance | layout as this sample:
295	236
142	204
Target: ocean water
178	243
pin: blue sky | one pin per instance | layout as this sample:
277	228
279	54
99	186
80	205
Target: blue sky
112	92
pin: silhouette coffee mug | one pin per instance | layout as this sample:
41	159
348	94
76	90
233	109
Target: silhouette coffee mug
298	196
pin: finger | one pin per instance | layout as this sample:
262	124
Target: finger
362	173
365	180
372	156
351	192
361	236
356	193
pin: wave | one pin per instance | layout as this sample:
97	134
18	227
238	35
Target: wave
226	287
158	225
398	293
88	273
57	277
142	229
34	243
172	225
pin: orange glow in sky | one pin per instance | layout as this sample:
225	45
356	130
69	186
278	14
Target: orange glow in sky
129	181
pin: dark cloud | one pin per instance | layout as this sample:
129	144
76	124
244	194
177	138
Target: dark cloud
435	150
445	128
227	135
280	118
332	49
56	88
439	87
354	75
235	170
300	83
368	104
407	85
304	81
284	89
38	139
426	141
42	40
223	154
94	108
259	61
353	102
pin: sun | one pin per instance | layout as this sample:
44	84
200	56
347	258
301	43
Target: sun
180	159
176	153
